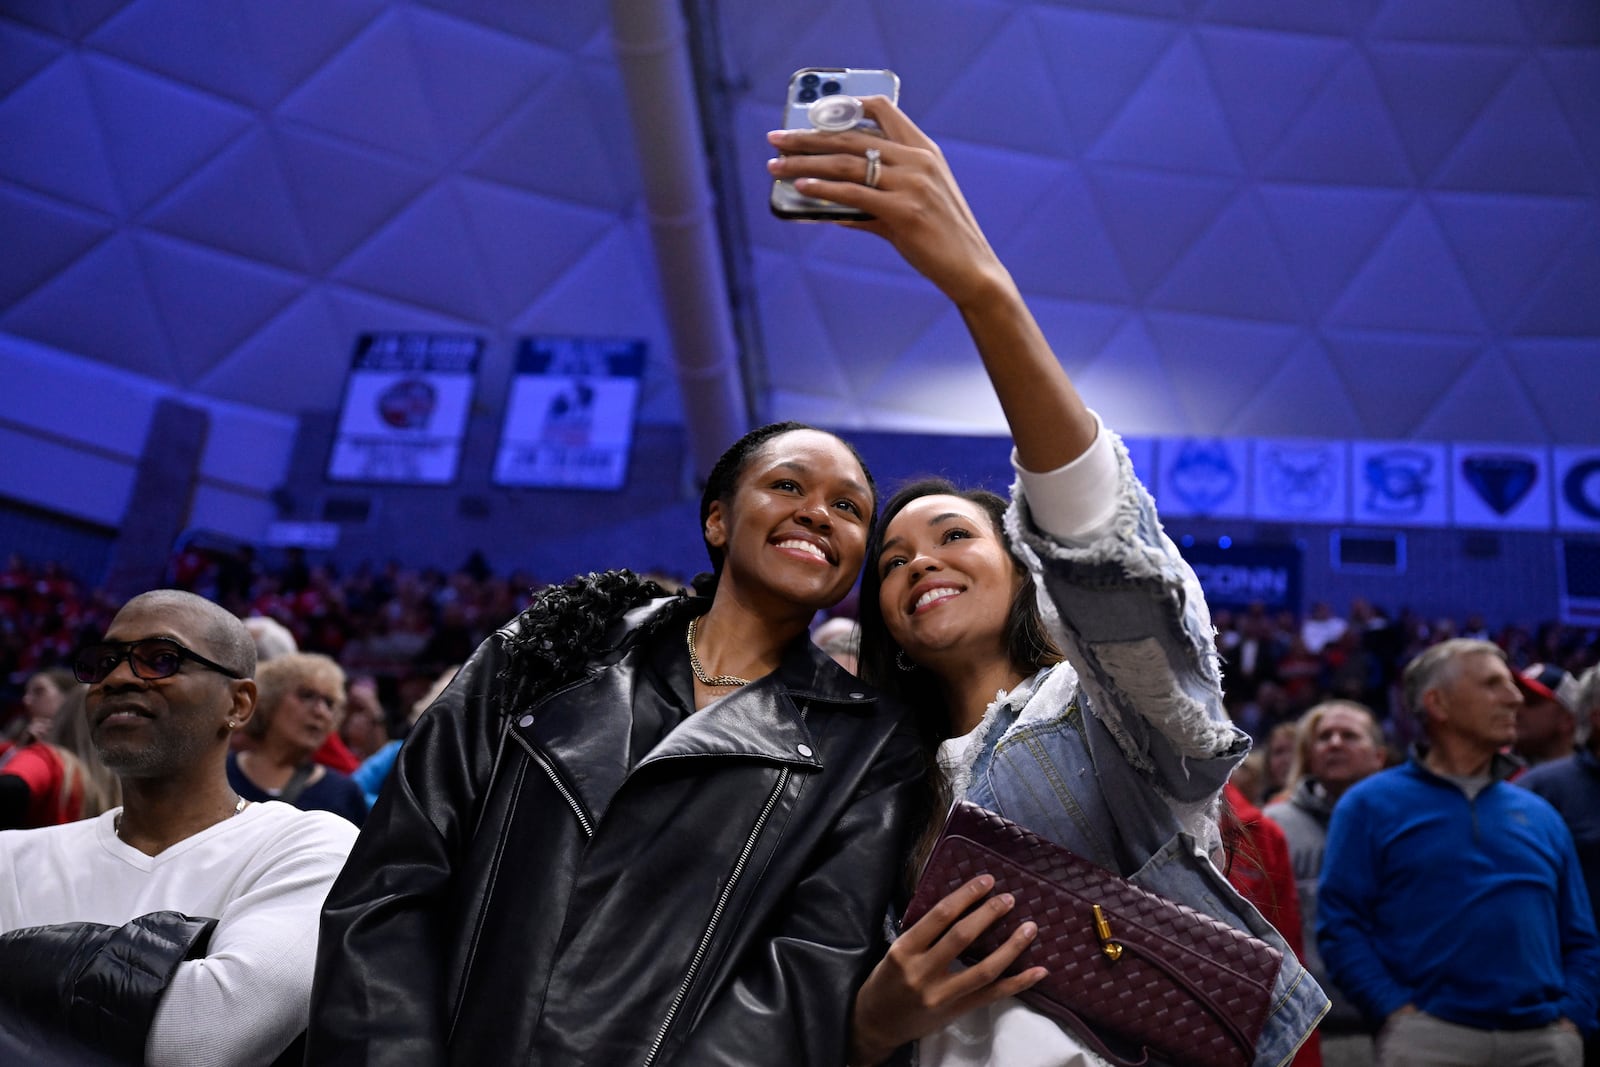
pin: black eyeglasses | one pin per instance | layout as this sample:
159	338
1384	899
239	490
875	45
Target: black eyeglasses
151	659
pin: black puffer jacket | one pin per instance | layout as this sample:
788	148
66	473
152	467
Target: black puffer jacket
519	895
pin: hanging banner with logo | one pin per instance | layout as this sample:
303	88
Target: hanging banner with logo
1300	481
1577	486
1243	574
569	417
1399	483
405	408
1503	487
1203	477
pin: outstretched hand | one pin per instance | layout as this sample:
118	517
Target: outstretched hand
916	204
913	991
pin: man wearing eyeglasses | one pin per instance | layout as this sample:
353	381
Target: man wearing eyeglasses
181	927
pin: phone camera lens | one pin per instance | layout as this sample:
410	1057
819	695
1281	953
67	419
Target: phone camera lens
830	87
806	95
809	80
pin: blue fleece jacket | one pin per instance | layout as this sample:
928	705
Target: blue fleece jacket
1473	910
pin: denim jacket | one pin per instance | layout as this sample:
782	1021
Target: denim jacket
1120	753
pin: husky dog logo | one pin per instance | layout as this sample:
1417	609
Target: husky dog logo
1500	480
408	404
1299	479
1203	475
1397	481
1581	487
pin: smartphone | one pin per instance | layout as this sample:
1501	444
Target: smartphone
806	86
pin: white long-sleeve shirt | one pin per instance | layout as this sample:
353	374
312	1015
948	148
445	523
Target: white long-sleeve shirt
263	874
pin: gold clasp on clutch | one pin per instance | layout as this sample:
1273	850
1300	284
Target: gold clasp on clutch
1112	950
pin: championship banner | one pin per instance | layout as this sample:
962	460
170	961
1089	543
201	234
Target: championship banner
569	417
1504	487
405	408
1577	486
1202	478
1300	481
1242	574
1399	483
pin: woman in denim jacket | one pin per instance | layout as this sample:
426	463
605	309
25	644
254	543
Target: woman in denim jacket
1117	745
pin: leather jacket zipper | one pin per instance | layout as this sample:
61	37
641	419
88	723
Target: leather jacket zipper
561	787
716	915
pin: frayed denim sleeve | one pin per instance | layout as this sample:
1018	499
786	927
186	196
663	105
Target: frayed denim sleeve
1129	614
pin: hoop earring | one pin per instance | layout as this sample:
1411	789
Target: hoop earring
903	662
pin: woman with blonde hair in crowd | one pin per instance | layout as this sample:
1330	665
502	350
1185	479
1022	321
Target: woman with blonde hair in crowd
300	701
41	783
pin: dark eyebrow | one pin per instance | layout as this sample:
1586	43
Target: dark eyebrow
800	468
936	520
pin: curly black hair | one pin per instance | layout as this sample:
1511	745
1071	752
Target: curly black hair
566	626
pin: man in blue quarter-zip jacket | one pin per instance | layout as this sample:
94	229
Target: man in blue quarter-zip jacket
1452	908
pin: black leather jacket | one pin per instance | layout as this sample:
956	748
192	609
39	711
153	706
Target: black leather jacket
519	895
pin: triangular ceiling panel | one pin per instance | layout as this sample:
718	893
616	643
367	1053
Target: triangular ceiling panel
1172	121
966	110
1412	281
423	256
253	54
1562	22
565	118
1435	94
342	192
1065	250
1551	371
1214	366
1521	143
52	139
1097	61
253	372
928	61
240	203
1077	332
53	233
1575	79
798	345
211	301
1263	80
1234	268
390	112
1487	385
156	132
1335	18
1397	410
63	18
1507	246
1153	217
565	26
1446	20
473	75
1326	232
526	242
1345	136
124	329
1278	405
26	53
1127	384
1564	303
862	339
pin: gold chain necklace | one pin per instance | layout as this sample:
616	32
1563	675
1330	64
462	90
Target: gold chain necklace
713	680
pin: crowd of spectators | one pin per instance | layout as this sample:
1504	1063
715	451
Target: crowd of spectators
395	628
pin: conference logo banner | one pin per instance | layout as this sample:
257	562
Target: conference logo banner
1577	489
1301	481
1502	487
570	414
1244	574
405	408
1203	477
1399	483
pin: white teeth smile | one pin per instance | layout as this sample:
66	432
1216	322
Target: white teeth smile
803	546
935	594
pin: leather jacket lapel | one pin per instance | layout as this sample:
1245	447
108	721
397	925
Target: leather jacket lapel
758	722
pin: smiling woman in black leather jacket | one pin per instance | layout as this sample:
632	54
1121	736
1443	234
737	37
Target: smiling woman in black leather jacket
602	845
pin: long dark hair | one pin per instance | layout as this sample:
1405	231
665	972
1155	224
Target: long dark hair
882	662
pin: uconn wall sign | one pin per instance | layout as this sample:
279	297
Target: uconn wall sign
1237	577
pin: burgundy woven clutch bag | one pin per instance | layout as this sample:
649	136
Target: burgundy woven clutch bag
1128	968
